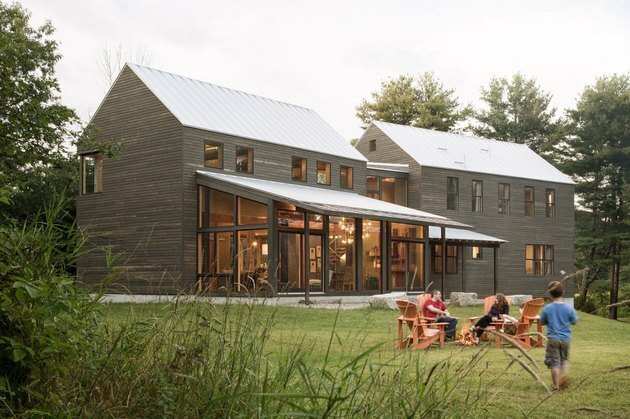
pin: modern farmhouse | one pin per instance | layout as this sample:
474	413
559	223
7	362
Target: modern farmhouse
217	190
500	188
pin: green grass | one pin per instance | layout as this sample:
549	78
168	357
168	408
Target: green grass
492	383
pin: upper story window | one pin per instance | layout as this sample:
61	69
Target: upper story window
91	174
504	198
323	173
550	203
372	145
538	259
298	169
244	159
213	155
452	193
451	259
345	177
529	201
372	184
394	190
477	196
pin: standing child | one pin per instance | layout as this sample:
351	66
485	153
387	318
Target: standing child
558	317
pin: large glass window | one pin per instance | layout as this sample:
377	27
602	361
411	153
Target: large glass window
504	198
221	208
371	255
477	196
91	174
452	193
407	268
224	260
213	155
451	259
291	256
394	190
315	269
251	212
244	159
529	201
408	231
341	248
252	259
373	188
345	177
291	219
323	173
298	169
538	259
550	203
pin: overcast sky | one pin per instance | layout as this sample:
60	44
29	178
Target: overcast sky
328	55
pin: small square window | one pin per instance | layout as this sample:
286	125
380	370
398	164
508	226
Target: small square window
476	253
244	159
372	145
298	169
91	174
213	155
323	173
345	177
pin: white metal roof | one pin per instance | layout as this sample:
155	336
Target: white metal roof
472	154
214	108
390	167
327	200
462	235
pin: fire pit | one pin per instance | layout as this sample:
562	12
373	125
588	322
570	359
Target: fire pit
467	338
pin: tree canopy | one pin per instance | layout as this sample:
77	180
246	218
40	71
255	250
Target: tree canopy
518	111
597	154
34	126
420	101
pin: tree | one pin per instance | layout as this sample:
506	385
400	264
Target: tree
35	128
112	60
597	154
518	111
421	102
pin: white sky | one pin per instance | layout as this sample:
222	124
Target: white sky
328	55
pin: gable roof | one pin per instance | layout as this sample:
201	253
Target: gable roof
197	104
471	154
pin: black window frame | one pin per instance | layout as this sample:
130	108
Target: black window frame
436	259
97	183
452	198
372	145
221	153
349	177
540	264
550	206
529	206
477	199
250	159
303	164
502	199
329	173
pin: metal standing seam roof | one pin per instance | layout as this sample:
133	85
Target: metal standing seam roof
197	104
390	167
330	201
472	154
462	235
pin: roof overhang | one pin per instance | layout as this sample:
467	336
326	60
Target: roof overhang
325	201
461	236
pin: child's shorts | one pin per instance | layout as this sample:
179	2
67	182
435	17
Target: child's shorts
557	353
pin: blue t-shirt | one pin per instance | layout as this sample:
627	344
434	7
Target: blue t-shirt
558	317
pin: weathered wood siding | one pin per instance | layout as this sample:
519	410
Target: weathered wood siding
139	211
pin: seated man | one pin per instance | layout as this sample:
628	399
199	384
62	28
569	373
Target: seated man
434	307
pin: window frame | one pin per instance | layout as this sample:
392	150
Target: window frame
327	172
479	254
349	177
220	158
437	266
502	199
452	195
98	173
539	260
550	205
531	204
303	168
476	197
372	145
250	159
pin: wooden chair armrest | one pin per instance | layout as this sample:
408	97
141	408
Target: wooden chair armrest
472	319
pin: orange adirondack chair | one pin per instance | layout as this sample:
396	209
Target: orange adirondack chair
487	305
422	335
524	336
421	299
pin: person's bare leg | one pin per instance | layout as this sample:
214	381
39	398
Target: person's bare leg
555	378
563	376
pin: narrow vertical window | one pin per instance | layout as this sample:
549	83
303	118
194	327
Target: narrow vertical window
213	155
323	173
504	198
91	174
345	177
550	203
244	159
529	201
298	169
476	253
372	145
452	193
372	185
477	196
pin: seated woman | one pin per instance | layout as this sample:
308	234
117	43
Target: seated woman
498	309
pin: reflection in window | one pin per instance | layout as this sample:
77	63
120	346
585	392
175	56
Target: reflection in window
290	219
407	268
452	193
504	198
298	169
323	173
244	159
371	255
251	212
315	221
221	208
213	155
477	196
529	201
345	177
538	259
341	247
408	230
92	174
290	261
373	189
252	259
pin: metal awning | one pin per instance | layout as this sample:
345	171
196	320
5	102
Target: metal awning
325	201
467	236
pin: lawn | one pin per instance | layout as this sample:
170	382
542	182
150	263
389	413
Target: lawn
600	356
